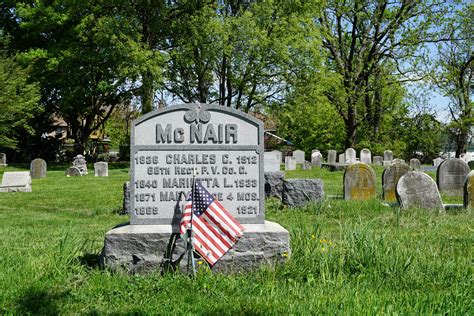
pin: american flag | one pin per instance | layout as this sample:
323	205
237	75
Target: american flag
214	229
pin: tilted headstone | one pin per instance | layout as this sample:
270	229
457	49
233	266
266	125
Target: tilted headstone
378	160
388	155
101	169
437	161
290	163
297	192
415	164
417	189
342	158
332	156
390	177
271	161
3	160
73	172
306	165
469	191
299	156
351	156
80	163
366	156
359	182
451	175
316	159
18	181
224	148
38	168
279	154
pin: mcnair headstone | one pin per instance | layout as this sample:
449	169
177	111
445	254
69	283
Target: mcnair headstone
38	168
359	182
417	189
225	147
451	175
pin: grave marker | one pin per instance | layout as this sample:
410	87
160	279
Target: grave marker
306	165
342	158
388	155
332	156
38	168
279	154
469	191
437	161
18	181
3	160
350	155
415	164
299	156
80	163
390	177
378	160
316	159
366	156
290	163
271	161
101	169
451	175
359	182
73	172
416	189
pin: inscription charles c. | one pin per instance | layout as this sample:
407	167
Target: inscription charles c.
221	146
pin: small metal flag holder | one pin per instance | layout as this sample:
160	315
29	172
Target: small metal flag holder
189	233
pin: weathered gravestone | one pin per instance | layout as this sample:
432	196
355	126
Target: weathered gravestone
450	176
350	155
290	163
306	165
366	156
437	161
469	191
3	160
73	172
101	169
225	147
415	164
390	177
387	158
332	156
271	161
299	156
316	159
297	192
417	189
342	158
378	160
80	163
19	181
398	160
38	168
279	154
359	182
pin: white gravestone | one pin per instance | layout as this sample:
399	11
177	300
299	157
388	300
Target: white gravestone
271	161
3	160
366	156
80	163
299	156
415	164
342	158
332	154
101	169
290	163
19	181
437	161
351	155
316	159
279	154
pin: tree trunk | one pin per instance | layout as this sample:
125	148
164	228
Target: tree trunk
147	93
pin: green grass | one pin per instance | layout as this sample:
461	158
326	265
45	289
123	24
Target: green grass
348	257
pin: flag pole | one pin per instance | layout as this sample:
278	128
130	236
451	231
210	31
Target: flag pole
191	263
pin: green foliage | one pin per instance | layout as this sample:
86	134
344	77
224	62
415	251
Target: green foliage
18	101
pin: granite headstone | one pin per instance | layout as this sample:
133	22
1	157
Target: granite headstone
73	172
38	168
101	169
437	161
3	160
388	155
417	189
342	158
297	192
359	182
451	175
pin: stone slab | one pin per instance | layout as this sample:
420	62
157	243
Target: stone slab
17	181
274	184
142	248
298	192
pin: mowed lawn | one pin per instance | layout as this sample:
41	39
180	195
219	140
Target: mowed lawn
347	257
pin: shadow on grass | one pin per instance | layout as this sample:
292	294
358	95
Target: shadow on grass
90	260
40	301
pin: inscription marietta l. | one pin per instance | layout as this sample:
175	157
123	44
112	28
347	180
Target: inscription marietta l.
213	144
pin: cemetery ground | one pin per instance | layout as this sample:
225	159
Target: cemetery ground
347	257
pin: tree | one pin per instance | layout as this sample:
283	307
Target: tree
362	39
452	74
88	57
18	100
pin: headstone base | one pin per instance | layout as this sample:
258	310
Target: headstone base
142	248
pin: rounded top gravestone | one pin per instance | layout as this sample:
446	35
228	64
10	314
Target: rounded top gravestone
299	156
223	146
101	169
415	164
350	155
332	156
417	189
388	155
366	156
316	159
450	176
38	168
359	182
390	177
73	172
469	191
